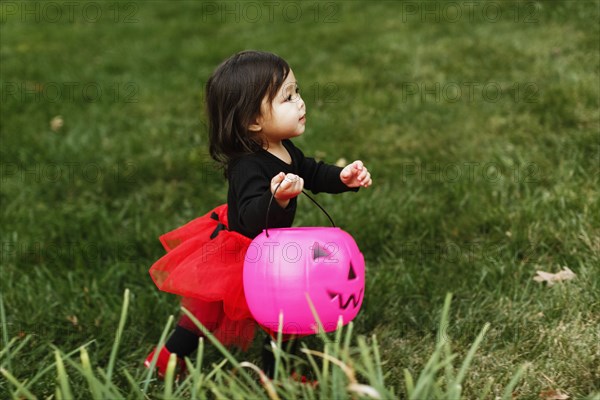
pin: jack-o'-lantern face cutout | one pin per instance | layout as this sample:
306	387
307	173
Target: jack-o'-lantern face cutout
335	276
353	299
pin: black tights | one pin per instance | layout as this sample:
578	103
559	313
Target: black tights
184	342
268	358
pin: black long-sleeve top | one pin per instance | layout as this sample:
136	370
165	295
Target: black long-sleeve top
249	188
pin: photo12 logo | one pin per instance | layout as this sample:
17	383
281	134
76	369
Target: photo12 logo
458	252
66	252
68	172
270	252
469	171
526	12
270	11
469	92
69	11
70	92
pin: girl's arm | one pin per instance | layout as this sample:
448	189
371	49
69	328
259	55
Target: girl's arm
251	187
321	177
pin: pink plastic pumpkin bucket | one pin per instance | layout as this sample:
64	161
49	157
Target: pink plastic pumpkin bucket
285	265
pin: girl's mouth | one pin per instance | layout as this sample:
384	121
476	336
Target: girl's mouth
303	118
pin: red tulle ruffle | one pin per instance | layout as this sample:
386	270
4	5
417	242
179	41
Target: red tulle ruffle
204	264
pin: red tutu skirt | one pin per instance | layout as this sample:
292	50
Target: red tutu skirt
204	264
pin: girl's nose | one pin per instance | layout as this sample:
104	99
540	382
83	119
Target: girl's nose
301	102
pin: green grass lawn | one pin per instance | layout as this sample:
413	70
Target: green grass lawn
480	125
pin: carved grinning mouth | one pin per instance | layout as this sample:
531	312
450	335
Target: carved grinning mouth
352	299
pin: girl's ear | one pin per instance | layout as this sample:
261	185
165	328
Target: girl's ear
256	125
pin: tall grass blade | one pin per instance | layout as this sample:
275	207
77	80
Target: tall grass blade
365	355
320	330
347	338
264	379
21	389
52	365
409	383
378	366
170	376
115	348
63	380
457	384
508	391
8	351
89	374
104	390
444	324
338	335
5	341
221	348
277	349
453	389
348	371
134	386
426	377
426	382
196	373
161	341
216	369
364	390
315	368
186	380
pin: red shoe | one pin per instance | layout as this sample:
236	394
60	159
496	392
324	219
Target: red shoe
162	361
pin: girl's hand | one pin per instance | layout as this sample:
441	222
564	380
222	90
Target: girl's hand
355	175
291	186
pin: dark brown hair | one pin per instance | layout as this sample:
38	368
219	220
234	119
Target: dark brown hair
234	94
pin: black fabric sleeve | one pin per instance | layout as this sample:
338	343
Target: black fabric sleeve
320	177
251	188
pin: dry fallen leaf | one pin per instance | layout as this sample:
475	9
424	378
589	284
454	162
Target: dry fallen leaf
73	319
565	275
341	162
57	123
320	155
553	395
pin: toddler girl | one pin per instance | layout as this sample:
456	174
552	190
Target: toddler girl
254	109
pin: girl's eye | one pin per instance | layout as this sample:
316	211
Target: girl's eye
293	97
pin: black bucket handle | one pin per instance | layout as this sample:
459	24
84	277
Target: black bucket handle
306	194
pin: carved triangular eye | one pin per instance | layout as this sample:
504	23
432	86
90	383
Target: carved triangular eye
319	251
351	273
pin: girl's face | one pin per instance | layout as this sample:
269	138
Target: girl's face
285	116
